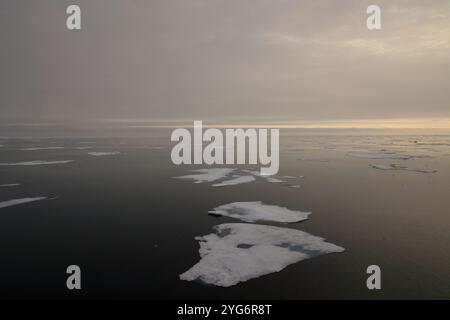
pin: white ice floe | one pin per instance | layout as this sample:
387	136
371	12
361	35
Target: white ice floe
9	185
14	202
35	163
83	148
378	155
208	175
236	180
100	154
238	252
255	210
274	180
41	148
400	167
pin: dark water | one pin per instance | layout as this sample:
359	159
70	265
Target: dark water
130	226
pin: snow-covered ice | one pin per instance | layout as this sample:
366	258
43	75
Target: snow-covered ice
35	163
235	181
255	211
208	175
15	202
238	252
100	154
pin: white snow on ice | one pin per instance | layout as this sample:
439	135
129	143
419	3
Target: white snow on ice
378	155
208	175
41	148
255	210
236	180
9	185
35	163
14	202
238	252
100	154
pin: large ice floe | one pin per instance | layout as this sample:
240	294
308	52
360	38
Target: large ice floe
6	185
400	167
237	252
15	202
35	163
234	181
208	175
255	211
378	155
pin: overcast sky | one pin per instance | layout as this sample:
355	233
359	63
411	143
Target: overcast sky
224	59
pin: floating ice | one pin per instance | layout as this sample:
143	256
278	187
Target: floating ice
83	148
35	163
10	185
315	159
256	210
14	202
378	155
400	167
238	252
100	154
274	180
208	175
41	148
234	181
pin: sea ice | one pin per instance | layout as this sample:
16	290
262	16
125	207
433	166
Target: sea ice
35	163
208	175
238	252
41	148
255	210
99	154
14	202
236	180
378	155
10	185
400	167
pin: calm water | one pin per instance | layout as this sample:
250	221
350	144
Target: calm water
130	226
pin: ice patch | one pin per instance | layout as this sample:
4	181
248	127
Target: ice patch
9	185
100	154
35	163
255	211
378	155
236	180
15	202
208	175
41	148
83	148
238	252
273	180
400	167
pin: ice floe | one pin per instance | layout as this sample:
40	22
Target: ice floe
252	211
35	163
238	252
9	185
235	181
83	148
15	202
41	148
208	175
378	155
100	154
400	167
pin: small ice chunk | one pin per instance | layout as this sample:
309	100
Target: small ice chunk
83	148
400	167
378	155
274	180
208	175
256	210
14	202
238	252
35	163
100	154
9	185
41	148
236	180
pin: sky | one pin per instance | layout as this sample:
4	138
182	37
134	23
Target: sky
224	60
